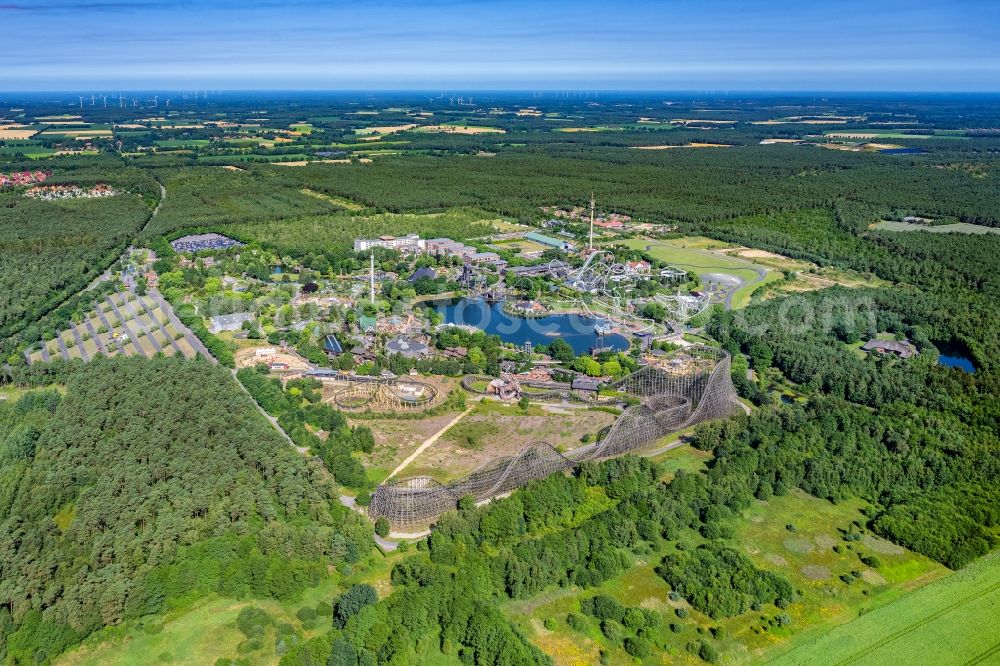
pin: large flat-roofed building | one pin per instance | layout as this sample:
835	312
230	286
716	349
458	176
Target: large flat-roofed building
485	258
548	241
229	322
408	243
449	247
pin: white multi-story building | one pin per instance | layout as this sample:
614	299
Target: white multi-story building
408	243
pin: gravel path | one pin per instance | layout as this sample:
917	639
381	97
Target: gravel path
430	441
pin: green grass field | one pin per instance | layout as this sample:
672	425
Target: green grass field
182	143
807	557
206	631
955	620
957	228
691	255
343	202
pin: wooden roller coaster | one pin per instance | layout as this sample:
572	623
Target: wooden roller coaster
688	388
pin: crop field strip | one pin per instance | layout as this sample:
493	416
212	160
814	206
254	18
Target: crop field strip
884	641
964	630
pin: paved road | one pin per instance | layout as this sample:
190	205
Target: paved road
96	338
761	273
62	348
106	275
387	545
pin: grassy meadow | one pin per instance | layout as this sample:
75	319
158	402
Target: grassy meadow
955	620
807	556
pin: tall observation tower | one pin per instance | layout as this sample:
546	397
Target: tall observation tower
371	279
591	220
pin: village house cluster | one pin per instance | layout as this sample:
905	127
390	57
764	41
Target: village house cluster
22	178
56	192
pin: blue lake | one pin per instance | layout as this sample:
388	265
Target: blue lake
959	362
577	330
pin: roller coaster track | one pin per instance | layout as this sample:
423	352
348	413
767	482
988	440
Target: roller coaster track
691	387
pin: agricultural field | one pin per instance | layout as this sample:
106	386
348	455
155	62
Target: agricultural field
30	149
955	620
123	323
8	132
796	535
957	228
458	128
863	134
182	143
692	144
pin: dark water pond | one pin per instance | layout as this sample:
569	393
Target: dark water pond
955	355
577	330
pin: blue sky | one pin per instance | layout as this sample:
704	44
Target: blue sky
835	45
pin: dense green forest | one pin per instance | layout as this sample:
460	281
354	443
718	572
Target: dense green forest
51	250
136	487
142	487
